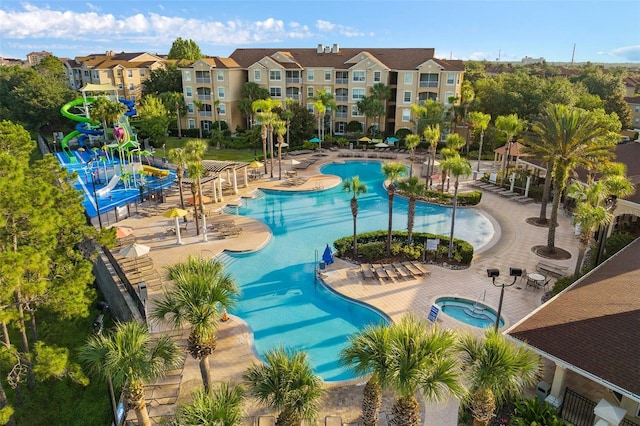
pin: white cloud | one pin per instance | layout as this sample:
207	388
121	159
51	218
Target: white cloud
329	27
628	53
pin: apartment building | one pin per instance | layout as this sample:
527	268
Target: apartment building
211	89
126	71
413	75
34	58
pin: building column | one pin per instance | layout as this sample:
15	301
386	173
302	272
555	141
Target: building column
559	376
220	188
235	182
215	194
246	177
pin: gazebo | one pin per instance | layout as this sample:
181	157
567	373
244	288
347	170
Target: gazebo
515	151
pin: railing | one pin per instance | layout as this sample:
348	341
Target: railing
342	98
206	113
294	96
342	114
293	79
127	284
576	409
342	81
429	84
203	80
204	97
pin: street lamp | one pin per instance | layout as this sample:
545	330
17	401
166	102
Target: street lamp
493	274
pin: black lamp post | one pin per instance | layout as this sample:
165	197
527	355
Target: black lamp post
95	197
493	274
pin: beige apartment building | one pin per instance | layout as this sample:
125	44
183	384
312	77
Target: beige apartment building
126	71
413	75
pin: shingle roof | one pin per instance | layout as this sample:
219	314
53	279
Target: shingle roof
595	324
629	154
395	59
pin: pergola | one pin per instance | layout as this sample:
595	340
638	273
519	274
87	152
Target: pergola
215	170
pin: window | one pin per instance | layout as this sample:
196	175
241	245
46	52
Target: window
188	91
310	92
275	92
129	73
187	76
357	94
311	75
406	97
406	115
359	76
275	75
119	73
220	75
355	111
120	86
191	123
190	108
256	75
342	77
310	108
448	95
450	79
132	98
327	75
132	86
340	127
408	78
377	76
221	92
223	109
637	108
142	73
86	73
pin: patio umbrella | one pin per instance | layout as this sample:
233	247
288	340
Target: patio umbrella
123	231
284	145
314	140
327	256
176	213
196	199
382	145
364	139
134	250
392	139
255	164
290	162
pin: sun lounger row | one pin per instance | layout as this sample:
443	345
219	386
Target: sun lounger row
305	163
393	271
232	231
296	181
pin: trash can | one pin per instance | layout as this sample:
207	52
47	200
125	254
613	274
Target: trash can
542	391
323	265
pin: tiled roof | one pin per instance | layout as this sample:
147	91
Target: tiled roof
595	324
629	154
395	59
632	99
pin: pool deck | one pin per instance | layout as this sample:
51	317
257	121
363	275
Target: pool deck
510	247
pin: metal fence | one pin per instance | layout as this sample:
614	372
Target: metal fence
127	284
578	410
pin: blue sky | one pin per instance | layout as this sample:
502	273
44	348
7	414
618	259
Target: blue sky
602	31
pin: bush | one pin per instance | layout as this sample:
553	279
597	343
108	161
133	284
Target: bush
617	242
372	251
562	283
402	133
531	412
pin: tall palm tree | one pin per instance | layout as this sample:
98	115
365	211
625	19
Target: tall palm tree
510	125
411	142
106	111
280	128
195	150
201	292
432	136
264	109
380	92
357	188
456	167
287	383
391	172
130	357
178	156
496	370
195	171
222	408
479	122
413	189
323	101
367	354
454	143
578	138
422	361
198	105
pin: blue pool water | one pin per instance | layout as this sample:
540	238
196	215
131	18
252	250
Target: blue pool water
469	311
281	301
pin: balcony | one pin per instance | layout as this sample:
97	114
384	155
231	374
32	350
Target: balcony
293	79
205	113
433	84
342	81
204	97
342	98
203	80
342	114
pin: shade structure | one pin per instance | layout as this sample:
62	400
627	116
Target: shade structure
123	231
314	140
364	139
290	162
284	145
176	213
255	164
196	200
134	250
382	145
327	256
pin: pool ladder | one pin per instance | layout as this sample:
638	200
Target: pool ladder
478	310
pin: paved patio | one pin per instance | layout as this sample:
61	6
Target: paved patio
510	247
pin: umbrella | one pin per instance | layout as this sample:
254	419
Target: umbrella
196	200
392	139
134	250
176	213
364	139
255	164
314	140
291	162
382	145
327	256
123	231
284	145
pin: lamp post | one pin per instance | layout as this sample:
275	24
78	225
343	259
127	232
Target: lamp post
95	197
493	274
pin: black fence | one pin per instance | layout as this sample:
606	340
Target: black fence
578	410
127	284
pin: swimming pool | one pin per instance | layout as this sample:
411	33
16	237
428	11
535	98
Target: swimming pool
282	302
468	311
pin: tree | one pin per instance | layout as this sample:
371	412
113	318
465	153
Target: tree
107	112
510	125
432	136
354	186
194	150
429	114
184	49
131	357
323	102
367	354
153	120
264	109
479	122
301	124
412	188
280	128
175	106
198	105
202	289
456	167
250	93
371	108
287	384
422	359
391	172
381	93
167	79
496	369
178	156
222	408
574	138
411	142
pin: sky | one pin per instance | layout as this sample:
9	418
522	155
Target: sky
600	31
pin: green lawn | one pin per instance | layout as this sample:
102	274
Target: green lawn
212	153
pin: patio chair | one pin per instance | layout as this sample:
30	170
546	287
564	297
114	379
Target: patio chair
367	272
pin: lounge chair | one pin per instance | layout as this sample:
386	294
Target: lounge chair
390	272
379	271
401	270
367	272
412	269
421	267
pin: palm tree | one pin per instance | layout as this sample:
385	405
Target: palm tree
479	122
354	185
577	138
195	150
391	172
264	108
432	136
280	128
179	157
216	109
323	101
510	125
422	361
130	357
413	189
222	408
380	92
201	292
451	150
411	142
456	166
198	105
106	111
195	171
287	384
368	354
496	369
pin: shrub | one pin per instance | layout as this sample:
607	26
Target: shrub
402	133
531	412
562	283
617	242
372	251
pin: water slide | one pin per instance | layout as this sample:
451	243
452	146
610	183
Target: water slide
83	128
112	184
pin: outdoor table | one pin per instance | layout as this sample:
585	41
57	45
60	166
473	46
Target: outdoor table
537	279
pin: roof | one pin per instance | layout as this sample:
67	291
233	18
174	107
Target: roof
395	59
516	150
629	154
632	99
594	326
